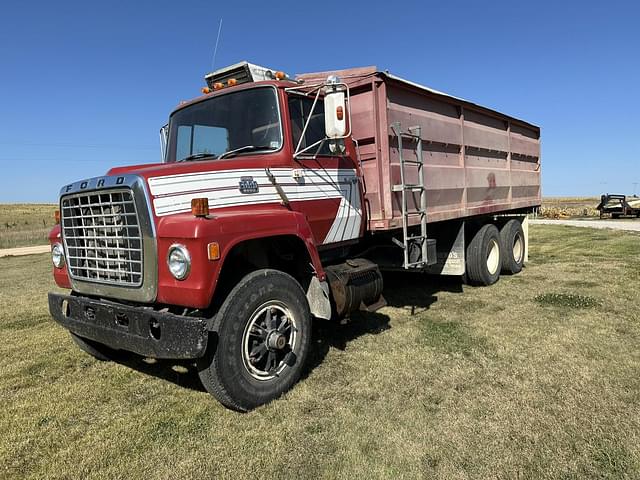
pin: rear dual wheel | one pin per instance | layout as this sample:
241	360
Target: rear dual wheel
513	247
492	251
263	331
484	256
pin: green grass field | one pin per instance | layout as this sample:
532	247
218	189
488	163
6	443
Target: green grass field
23	224
535	377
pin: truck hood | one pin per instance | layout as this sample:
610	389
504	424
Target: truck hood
234	163
153	169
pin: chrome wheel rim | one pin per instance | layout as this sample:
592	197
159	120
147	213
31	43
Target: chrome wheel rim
269	341
493	256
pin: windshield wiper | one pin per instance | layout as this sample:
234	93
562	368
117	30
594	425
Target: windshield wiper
246	148
198	156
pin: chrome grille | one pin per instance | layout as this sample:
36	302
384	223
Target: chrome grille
102	237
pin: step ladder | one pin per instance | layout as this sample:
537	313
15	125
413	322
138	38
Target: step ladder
413	135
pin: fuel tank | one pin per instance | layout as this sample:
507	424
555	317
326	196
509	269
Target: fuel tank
355	284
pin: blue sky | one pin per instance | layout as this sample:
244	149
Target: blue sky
85	85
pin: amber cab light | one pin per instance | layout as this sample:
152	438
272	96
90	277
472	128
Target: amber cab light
281	75
340	113
200	207
56	217
213	251
218	86
231	82
206	90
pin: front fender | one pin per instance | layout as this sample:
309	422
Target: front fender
228	229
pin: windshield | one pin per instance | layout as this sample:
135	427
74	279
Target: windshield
246	121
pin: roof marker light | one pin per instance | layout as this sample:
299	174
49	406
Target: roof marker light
231	82
218	86
206	90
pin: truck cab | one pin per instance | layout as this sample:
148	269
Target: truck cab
256	179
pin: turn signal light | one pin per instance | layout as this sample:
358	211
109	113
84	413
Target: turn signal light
213	251
281	75
340	112
218	86
200	207
231	82
56	217
206	90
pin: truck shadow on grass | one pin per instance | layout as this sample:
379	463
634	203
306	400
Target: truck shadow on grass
411	291
181	372
417	291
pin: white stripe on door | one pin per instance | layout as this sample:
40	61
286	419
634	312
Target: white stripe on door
173	193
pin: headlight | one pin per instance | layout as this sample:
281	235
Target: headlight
57	255
179	261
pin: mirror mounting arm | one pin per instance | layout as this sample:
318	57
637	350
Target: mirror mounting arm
335	87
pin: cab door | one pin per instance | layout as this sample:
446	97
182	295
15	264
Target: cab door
328	190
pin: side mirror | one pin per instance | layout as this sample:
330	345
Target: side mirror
335	112
164	136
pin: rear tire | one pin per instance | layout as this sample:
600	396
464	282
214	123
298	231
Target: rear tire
259	341
484	256
513	247
95	349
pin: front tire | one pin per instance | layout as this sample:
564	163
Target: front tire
263	331
484	256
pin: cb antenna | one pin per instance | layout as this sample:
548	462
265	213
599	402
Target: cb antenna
215	50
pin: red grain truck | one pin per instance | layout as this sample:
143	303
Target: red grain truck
279	201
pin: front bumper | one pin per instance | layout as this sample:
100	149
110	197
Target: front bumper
136	329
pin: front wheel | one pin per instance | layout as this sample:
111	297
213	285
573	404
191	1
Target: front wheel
263	331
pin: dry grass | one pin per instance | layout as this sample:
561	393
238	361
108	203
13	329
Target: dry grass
27	224
535	377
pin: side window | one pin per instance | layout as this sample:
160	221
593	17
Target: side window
299	110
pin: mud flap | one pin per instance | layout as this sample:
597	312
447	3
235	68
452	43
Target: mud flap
318	298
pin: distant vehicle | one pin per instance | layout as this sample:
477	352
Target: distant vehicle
619	206
279	201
